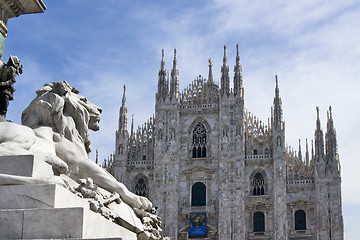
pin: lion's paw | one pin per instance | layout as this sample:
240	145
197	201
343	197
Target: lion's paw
145	203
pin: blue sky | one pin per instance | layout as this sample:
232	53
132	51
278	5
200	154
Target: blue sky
97	46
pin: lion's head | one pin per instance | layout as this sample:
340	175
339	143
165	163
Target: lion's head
59	106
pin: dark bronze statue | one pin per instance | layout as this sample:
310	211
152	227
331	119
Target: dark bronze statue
8	74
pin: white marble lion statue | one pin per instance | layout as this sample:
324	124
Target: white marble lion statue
55	128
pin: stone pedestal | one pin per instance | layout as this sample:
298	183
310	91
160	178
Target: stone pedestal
24	166
49	211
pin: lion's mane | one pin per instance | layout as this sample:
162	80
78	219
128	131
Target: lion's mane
58	105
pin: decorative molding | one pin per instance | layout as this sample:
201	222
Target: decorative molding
258	205
198	168
300	203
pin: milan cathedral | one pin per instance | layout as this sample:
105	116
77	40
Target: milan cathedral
215	171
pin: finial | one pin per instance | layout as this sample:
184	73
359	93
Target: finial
330	110
277	86
174	61
162	68
224	58
124	97
327	113
317	112
210	79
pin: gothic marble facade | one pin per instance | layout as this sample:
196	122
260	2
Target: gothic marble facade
203	152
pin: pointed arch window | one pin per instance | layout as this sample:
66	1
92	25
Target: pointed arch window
199	141
258	184
141	187
259	222
198	194
300	220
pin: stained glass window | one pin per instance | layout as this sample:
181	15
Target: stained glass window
199	141
140	187
258	184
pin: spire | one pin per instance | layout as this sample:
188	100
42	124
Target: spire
237	55
132	136
162	65
167	81
312	149
124	97
330	137
123	115
174	84
210	79
277	107
163	88
307	154
277	95
224	58
300	154
318	124
238	81
225	80
319	138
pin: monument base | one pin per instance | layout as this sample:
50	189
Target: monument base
58	223
49	211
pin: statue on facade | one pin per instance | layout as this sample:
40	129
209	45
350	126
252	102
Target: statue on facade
8	74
